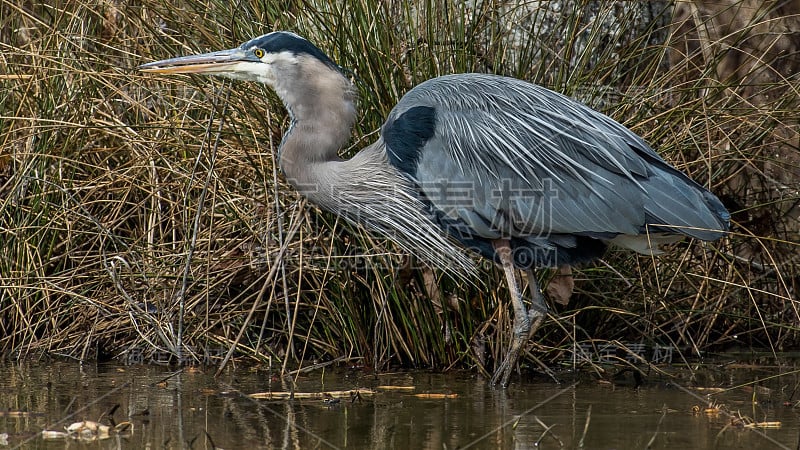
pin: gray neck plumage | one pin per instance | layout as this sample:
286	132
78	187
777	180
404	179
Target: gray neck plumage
322	109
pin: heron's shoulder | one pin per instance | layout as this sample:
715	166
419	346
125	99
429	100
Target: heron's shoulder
405	135
496	94
478	83
477	80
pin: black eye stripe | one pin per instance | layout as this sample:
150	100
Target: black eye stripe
280	41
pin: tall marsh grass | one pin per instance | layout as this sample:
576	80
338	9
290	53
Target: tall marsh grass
143	217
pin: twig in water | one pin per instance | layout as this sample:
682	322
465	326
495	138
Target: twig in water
294	424
163	380
546	430
524	413
585	426
658	426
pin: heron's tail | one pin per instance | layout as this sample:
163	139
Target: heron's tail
678	206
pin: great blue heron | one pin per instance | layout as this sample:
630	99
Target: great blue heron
518	173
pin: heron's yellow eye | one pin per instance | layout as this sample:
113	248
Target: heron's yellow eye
259	53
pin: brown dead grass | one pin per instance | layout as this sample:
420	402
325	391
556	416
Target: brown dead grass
142	217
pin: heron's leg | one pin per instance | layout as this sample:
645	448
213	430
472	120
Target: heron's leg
538	310
526	321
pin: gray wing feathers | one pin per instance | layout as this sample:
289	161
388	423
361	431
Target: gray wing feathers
541	163
681	208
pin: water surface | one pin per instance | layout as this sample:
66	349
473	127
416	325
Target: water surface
189	408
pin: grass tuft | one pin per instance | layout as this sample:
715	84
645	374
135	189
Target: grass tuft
143	217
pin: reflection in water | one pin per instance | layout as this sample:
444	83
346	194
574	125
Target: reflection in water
191	409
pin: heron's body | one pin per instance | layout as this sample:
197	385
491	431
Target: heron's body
511	170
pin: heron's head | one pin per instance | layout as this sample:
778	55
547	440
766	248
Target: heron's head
288	63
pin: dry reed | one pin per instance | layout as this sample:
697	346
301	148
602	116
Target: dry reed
143	218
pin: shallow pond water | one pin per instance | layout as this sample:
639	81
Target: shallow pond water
161	407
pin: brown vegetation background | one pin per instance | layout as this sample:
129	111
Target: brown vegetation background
143	218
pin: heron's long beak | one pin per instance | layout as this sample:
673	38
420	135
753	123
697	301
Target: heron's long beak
221	62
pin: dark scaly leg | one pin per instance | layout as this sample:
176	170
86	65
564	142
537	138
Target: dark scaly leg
538	307
538	310
526	321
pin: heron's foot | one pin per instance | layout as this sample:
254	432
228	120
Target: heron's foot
503	372
525	325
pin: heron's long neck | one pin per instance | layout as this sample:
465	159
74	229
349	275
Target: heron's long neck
322	118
